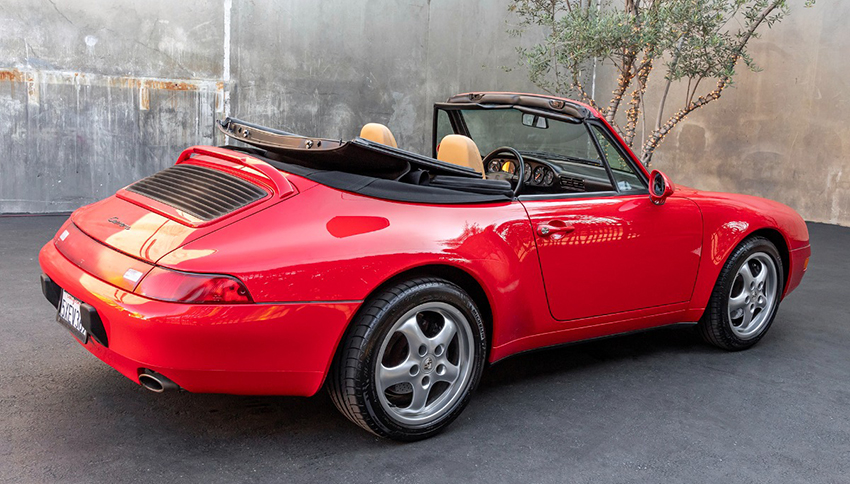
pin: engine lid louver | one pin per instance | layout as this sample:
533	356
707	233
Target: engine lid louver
202	192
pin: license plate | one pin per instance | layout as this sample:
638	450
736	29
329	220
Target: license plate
69	316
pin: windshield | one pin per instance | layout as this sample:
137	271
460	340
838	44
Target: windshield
527	133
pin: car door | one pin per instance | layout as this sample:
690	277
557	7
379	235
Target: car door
613	254
615	251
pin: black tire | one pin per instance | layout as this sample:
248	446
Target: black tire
715	326
352	378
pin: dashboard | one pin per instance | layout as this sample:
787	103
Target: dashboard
537	174
551	176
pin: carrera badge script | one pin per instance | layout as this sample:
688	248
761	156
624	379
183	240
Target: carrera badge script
114	220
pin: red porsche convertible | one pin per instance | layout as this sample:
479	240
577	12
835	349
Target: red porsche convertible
287	262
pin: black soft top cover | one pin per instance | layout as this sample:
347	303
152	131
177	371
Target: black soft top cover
367	168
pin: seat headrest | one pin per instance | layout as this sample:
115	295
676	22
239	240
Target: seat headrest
460	150
379	134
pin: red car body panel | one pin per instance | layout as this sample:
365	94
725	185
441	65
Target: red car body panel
258	349
612	240
156	229
310	255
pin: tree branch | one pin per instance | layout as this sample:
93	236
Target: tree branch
585	96
694	91
633	114
658	135
669	82
623	81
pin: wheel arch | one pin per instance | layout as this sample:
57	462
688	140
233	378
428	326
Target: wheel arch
711	324
778	239
712	265
451	273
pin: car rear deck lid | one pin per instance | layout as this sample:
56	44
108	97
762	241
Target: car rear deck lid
209	184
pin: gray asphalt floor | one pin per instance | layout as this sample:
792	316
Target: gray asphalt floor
657	406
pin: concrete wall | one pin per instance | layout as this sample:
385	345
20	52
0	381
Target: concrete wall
781	133
328	68
96	94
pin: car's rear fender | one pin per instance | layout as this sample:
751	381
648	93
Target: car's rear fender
453	273
327	245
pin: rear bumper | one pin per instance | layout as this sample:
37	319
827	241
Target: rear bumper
256	349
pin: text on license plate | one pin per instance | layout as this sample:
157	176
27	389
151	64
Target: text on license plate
69	312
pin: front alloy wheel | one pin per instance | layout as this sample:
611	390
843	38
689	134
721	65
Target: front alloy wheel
410	360
746	296
752	295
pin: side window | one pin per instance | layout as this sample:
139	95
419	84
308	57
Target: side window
625	176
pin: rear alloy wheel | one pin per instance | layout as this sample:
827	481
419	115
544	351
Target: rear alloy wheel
410	361
745	297
424	363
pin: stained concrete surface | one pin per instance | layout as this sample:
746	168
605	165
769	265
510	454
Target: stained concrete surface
658	406
780	133
95	94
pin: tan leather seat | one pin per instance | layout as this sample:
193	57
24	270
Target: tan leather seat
379	134
460	150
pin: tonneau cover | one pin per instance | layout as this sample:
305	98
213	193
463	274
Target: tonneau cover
396	190
367	168
358	156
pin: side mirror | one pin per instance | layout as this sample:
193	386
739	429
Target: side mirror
660	187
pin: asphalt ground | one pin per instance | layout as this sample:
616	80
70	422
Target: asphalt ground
657	406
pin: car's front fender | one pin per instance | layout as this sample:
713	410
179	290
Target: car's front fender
728	219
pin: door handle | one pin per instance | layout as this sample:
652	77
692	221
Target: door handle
545	230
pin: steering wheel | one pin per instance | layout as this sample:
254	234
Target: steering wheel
501	175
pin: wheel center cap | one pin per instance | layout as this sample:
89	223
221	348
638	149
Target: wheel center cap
428	364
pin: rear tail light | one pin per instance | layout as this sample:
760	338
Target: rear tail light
175	286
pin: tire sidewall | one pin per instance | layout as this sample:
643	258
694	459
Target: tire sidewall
382	323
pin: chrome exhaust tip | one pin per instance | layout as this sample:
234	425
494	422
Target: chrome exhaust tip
155	382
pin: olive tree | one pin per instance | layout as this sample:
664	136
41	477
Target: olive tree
698	43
